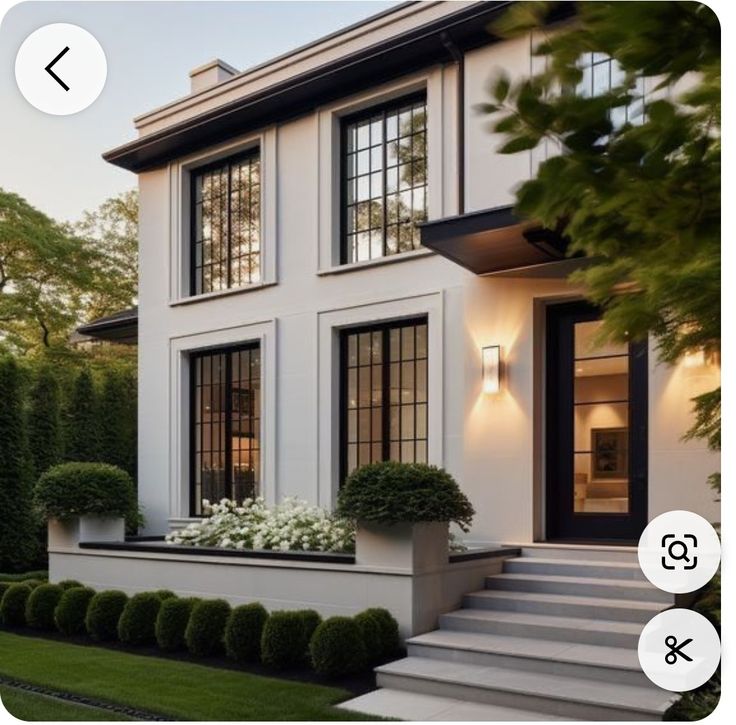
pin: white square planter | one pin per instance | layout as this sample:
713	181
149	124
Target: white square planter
414	548
69	533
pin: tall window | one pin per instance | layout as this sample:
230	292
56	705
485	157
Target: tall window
226	418
384	180
384	394
226	226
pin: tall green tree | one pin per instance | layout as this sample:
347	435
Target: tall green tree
45	439
117	420
637	192
18	543
82	421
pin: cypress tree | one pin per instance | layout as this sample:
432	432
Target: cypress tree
82	425
117	415
18	544
44	422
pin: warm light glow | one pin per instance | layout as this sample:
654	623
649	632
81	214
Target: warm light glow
695	359
491	369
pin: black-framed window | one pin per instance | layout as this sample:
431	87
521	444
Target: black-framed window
226	224
384	179
384	394
225	424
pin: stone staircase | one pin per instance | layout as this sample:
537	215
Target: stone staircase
554	636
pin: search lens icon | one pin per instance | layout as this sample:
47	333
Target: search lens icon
683	553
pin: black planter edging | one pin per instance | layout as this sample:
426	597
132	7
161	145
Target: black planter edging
358	684
83	700
473	554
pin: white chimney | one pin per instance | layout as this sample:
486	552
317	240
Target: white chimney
210	74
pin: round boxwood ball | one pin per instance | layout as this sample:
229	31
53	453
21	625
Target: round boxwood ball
137	624
13	605
389	630
104	613
41	605
370	629
71	610
282	642
4	586
244	631
33	583
337	647
171	623
310	621
70	584
164	594
206	628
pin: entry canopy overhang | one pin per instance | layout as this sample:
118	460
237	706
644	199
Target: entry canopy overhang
497	242
121	327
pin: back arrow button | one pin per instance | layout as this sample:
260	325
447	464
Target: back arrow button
51	65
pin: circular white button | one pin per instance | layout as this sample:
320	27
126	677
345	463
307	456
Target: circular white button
679	552
679	650
60	69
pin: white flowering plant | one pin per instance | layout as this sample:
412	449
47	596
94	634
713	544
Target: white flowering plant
292	525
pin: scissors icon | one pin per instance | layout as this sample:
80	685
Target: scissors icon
675	650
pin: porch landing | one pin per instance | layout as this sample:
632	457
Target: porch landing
552	636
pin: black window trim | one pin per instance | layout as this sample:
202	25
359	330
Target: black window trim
345	121
384	327
225	350
228	160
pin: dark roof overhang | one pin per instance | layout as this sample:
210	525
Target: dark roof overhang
394	57
498	242
121	327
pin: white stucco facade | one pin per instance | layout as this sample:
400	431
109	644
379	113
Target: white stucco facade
494	446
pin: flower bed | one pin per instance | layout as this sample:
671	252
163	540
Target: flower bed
293	525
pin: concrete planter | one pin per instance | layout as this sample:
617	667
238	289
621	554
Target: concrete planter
410	547
69	533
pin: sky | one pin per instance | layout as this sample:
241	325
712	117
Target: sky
55	161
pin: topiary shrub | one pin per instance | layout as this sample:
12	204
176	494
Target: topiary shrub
41	605
71	610
393	493
13	605
70	584
4	586
103	615
371	631
137	623
337	647
206	628
282	642
78	489
33	583
171	623
389	627
244	631
164	594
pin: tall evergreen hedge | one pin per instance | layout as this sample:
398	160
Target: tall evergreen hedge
82	420
117	420
44	422
18	541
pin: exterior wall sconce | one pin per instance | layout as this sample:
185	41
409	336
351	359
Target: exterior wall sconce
491	358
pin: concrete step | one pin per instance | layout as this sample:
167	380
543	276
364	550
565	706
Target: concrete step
606	664
582	586
619	610
593	553
574	630
574	567
389	703
555	694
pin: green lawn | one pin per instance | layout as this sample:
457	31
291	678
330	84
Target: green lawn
30	706
178	689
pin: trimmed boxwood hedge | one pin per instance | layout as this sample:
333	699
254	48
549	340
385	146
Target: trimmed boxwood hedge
171	623
206	627
337	647
41	605
33	583
4	586
372	633
164	594
244	631
389	630
311	619
13	605
70	584
137	624
394	493
71	610
77	489
103	615
282	642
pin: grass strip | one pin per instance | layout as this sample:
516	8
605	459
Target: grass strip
33	707
181	690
